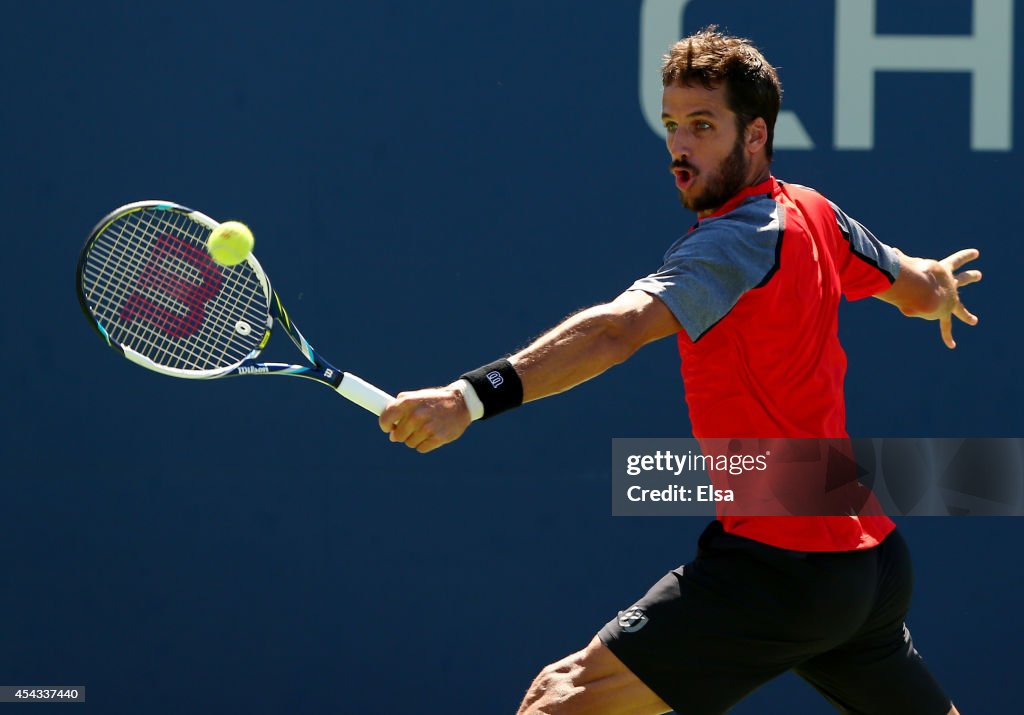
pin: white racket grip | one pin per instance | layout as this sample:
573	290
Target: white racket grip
363	393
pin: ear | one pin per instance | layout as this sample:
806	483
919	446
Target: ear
756	135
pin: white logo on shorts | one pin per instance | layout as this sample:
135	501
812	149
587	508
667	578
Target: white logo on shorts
632	619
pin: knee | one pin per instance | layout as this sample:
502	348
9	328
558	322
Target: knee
586	683
552	691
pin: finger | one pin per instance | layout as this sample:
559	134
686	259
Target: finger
418	437
967	277
402	431
955	260
430	444
965	315
946	328
391	415
406	427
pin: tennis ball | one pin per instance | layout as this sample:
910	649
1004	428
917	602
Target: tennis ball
230	243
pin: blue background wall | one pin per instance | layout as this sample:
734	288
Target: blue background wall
452	179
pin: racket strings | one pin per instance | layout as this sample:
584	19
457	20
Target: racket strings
222	311
143	313
151	284
133	255
213	345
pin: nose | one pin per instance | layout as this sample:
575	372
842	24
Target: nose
678	145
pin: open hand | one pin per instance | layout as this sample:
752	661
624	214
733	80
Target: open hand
952	281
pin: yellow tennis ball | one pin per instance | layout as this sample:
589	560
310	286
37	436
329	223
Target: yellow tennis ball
230	243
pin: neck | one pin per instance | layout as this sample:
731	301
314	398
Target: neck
757	173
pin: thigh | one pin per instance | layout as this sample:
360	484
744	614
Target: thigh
697	655
877	678
878	670
740	614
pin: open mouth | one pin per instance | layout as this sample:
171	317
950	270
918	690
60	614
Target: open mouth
684	178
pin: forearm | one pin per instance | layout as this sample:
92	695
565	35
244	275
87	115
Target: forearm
581	347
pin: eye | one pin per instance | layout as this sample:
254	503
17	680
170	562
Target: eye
701	126
671	127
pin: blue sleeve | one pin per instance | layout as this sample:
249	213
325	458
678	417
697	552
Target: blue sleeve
867	256
706	272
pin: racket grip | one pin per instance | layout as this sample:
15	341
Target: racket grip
363	393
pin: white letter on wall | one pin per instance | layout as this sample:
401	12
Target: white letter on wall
987	55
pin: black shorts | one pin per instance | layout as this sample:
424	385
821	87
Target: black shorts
743	612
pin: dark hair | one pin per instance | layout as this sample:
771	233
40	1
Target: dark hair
712	59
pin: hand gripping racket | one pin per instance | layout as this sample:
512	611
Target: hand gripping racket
151	290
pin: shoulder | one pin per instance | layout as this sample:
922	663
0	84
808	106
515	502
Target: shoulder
751	229
809	199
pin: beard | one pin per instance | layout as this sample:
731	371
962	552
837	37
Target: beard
722	185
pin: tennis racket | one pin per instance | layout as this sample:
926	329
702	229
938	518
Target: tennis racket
151	290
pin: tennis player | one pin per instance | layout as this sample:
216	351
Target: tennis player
752	294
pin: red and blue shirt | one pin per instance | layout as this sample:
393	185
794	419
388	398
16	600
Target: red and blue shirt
756	288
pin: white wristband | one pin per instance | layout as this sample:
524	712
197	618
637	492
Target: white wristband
476	407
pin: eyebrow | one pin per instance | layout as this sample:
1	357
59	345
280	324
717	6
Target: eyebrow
692	115
695	113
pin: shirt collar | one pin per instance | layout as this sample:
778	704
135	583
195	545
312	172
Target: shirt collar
769	187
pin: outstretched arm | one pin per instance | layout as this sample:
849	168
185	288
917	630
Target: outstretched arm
929	289
579	348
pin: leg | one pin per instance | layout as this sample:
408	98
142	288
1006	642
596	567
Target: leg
878	670
590	682
878	681
702	638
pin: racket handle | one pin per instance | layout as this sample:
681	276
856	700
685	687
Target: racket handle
363	393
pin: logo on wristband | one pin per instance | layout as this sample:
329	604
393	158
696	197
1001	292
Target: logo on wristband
494	377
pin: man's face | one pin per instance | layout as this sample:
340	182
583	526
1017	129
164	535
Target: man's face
709	159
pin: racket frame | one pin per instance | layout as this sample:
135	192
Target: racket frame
320	370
